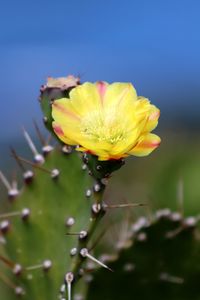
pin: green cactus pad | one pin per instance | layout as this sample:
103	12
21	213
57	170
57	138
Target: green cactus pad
159	261
54	201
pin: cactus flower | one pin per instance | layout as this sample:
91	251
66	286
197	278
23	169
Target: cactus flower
106	120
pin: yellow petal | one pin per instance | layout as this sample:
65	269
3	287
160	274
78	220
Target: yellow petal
62	111
127	143
61	134
119	94
146	144
85	98
152	121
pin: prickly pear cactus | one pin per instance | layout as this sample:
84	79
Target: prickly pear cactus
35	252
33	230
159	260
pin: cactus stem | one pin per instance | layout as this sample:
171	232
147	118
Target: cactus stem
11	188
72	233
123	205
82	234
24	214
69	277
38	158
84	253
7	262
19	291
39	134
46	265
180	196
189	222
5	181
7	281
173	233
51	172
14	154
169	278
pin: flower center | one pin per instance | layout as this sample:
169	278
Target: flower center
104	126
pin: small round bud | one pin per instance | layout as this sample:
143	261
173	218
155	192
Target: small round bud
69	222
19	291
83	234
88	193
47	149
55	173
4	226
13	193
84	252
38	158
47	264
69	277
25	214
96	208
73	251
84	167
66	149
99	168
190	222
97	187
62	289
28	176
17	269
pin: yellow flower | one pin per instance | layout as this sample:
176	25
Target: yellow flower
107	120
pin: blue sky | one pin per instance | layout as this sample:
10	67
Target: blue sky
153	44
